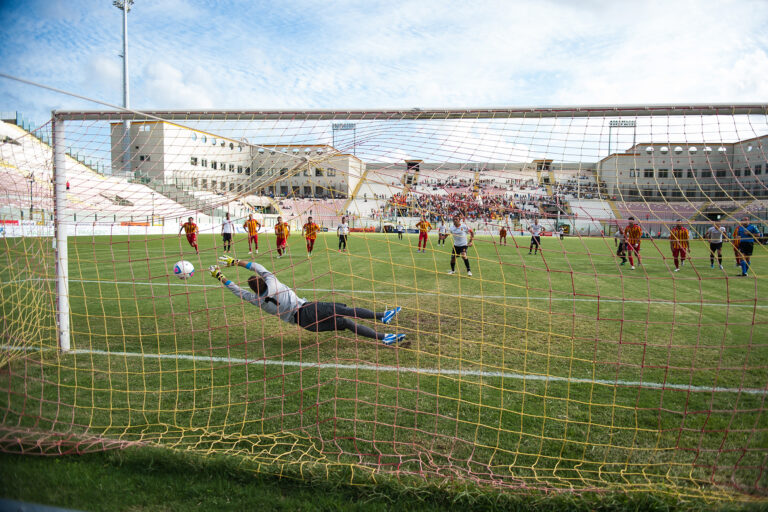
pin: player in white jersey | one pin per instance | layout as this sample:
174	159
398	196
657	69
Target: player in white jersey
227	230
621	245
343	232
715	235
535	230
442	233
277	299
459	231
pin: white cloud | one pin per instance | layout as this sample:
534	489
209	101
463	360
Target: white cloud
165	84
400	54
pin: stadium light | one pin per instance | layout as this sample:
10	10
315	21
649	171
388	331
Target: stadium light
616	123
125	6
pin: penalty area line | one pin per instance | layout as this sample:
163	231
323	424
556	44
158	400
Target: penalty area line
661	386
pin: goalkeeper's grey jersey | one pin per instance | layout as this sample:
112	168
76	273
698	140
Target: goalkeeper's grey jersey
279	300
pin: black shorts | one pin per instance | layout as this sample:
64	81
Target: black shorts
458	249
227	237
745	248
715	246
319	316
535	240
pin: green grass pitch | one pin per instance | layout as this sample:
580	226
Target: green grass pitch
557	371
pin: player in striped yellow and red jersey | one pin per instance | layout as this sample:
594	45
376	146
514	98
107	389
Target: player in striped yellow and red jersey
632	233
735	243
424	227
190	228
310	230
251	228
282	231
678	242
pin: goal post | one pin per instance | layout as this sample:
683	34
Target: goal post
60	221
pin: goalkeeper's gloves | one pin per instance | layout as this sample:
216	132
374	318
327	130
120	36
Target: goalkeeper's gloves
228	261
216	272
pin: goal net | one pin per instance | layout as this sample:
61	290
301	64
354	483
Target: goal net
582	293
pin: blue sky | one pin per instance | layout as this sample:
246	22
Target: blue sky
298	54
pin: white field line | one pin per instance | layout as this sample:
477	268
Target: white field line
666	386
370	292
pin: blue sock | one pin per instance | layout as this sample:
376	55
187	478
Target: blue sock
744	267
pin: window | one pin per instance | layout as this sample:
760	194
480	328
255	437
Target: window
231	167
758	169
283	171
204	139
231	187
239	169
720	173
194	182
677	193
691	173
144	128
213	164
260	171
307	190
331	172
706	173
747	171
204	162
318	172
663	173
632	173
306	172
284	190
231	145
648	173
193	160
247	171
737	172
143	158
204	183
720	193
677	173
213	141
194	136
213	185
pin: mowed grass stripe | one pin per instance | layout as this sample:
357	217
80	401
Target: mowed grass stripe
452	295
407	369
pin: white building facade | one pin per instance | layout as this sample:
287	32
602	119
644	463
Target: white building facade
687	171
194	160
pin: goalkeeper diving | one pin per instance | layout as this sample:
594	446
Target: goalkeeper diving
277	299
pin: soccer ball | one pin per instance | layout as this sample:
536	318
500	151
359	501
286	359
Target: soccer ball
183	269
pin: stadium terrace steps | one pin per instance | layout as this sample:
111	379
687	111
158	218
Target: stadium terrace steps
325	212
90	193
591	214
614	210
354	193
659	211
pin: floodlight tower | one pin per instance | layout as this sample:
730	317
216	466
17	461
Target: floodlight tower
125	6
